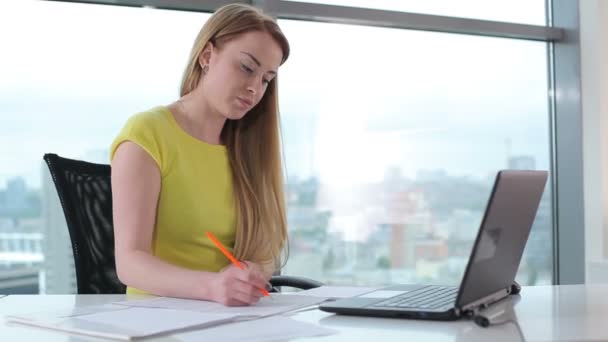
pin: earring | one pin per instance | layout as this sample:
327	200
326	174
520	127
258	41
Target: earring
205	68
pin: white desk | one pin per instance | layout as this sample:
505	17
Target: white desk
543	313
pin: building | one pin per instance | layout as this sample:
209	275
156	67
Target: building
59	271
21	259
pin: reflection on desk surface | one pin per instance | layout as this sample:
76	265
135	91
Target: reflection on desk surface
502	313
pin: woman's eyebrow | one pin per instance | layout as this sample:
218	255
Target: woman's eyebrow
257	61
252	57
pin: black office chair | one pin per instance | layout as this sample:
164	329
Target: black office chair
85	193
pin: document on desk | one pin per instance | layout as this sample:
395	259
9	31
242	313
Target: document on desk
121	322
277	304
274	328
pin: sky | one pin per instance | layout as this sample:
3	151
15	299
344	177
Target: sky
355	101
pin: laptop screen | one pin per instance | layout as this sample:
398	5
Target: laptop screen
502	237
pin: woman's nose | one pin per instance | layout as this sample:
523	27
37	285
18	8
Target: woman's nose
254	85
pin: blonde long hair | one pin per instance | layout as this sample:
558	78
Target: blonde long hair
253	142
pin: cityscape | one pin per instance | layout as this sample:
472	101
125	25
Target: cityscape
400	230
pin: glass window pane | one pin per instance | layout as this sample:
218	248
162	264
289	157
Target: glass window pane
392	141
68	84
391	145
515	11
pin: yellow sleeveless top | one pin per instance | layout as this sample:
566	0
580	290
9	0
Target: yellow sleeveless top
195	193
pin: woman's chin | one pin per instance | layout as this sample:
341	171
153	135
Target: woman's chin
235	115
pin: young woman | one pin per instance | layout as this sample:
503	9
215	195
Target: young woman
208	162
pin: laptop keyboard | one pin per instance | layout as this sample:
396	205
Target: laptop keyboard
426	298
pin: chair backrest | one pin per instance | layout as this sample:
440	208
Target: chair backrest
85	193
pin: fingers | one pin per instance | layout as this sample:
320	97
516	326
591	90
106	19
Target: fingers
248	293
249	276
241	294
258	273
235	292
241	287
259	270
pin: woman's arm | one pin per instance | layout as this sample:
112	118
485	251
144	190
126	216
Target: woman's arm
136	185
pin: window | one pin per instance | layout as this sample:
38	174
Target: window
392	137
514	11
68	84
392	141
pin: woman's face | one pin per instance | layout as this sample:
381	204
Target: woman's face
239	71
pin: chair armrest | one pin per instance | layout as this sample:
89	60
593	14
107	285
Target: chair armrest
291	281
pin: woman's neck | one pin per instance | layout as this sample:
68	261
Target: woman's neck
199	119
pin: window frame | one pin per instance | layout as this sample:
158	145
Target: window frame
564	91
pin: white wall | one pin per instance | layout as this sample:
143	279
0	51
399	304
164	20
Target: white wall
594	64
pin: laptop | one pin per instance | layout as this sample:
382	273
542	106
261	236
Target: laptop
491	269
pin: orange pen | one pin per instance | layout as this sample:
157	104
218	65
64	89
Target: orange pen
231	258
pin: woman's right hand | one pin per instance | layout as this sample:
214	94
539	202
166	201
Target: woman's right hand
233	286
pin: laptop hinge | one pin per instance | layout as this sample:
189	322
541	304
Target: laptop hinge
485	301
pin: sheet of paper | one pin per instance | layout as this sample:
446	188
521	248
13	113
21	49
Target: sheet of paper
277	304
275	328
333	292
123	323
60	315
151	321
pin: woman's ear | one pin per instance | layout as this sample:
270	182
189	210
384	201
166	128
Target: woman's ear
205	56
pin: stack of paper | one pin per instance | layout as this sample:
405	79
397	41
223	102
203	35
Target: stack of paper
120	322
139	318
267	306
161	315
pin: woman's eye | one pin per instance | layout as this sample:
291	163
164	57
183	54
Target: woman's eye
246	69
